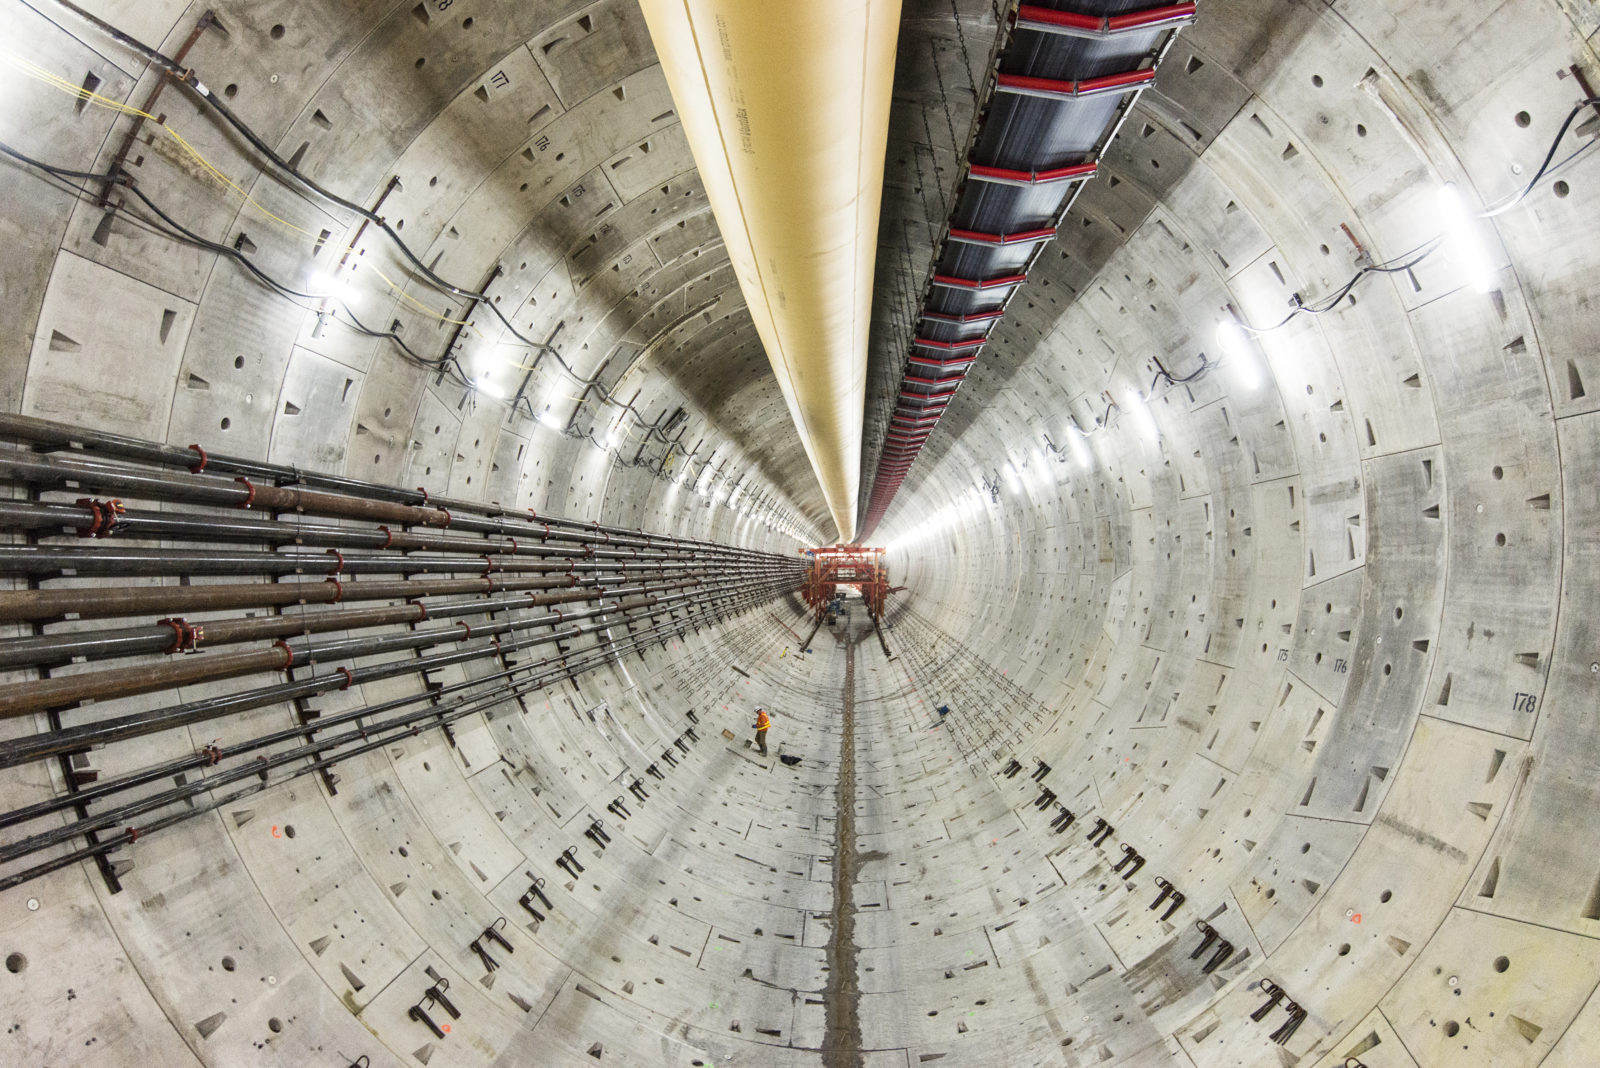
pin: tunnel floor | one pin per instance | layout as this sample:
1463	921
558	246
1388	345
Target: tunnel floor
943	914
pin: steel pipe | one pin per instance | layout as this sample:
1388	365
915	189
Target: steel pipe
128	835
82	441
36	695
104	732
174	636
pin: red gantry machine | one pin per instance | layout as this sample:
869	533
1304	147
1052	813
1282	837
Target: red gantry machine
846	565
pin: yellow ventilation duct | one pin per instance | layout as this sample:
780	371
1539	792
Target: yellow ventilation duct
786	107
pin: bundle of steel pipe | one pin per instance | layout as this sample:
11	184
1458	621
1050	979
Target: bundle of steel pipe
431	583
370	735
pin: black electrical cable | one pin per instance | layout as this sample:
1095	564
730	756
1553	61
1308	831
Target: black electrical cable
244	261
1427	249
176	229
191	81
1544	167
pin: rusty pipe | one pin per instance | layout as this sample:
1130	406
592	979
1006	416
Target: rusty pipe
105	602
35	695
213	491
171	636
59	436
107	731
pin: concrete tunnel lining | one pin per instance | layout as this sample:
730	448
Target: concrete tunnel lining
1319	653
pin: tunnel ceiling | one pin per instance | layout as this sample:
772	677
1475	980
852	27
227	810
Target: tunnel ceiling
1210	674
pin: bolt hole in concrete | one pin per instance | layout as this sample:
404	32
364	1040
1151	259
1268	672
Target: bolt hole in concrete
1361	131
1500	539
230	90
16	962
1316	80
1385	896
1502	963
228	964
278	32
1497	473
1451	1028
1561	189
1523	119
238	362
274	1025
1305	847
288	830
226	423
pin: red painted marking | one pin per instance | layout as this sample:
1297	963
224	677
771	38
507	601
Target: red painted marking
275	832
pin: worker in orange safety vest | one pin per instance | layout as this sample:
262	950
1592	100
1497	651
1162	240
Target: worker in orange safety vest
761	725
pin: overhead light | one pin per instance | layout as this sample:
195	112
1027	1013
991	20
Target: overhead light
486	387
1140	411
1463	239
1080	447
548	419
335	288
1239	354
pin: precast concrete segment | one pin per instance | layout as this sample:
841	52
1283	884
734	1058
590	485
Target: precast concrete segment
1322	651
841	1043
786	108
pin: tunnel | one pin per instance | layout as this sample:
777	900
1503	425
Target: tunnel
1175	627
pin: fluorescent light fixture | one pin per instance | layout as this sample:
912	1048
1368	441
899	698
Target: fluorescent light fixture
549	419
1463	239
1080	446
487	388
1140	411
1041	469
335	288
1238	352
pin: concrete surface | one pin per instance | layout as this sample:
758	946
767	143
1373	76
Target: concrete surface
1322	652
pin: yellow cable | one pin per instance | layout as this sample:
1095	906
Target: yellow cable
38	73
414	302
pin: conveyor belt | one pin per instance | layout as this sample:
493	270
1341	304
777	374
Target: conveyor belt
1069	74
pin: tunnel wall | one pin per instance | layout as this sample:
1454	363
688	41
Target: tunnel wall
299	927
1280	645
1318	650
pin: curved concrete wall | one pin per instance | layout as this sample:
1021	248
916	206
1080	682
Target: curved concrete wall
1320	651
